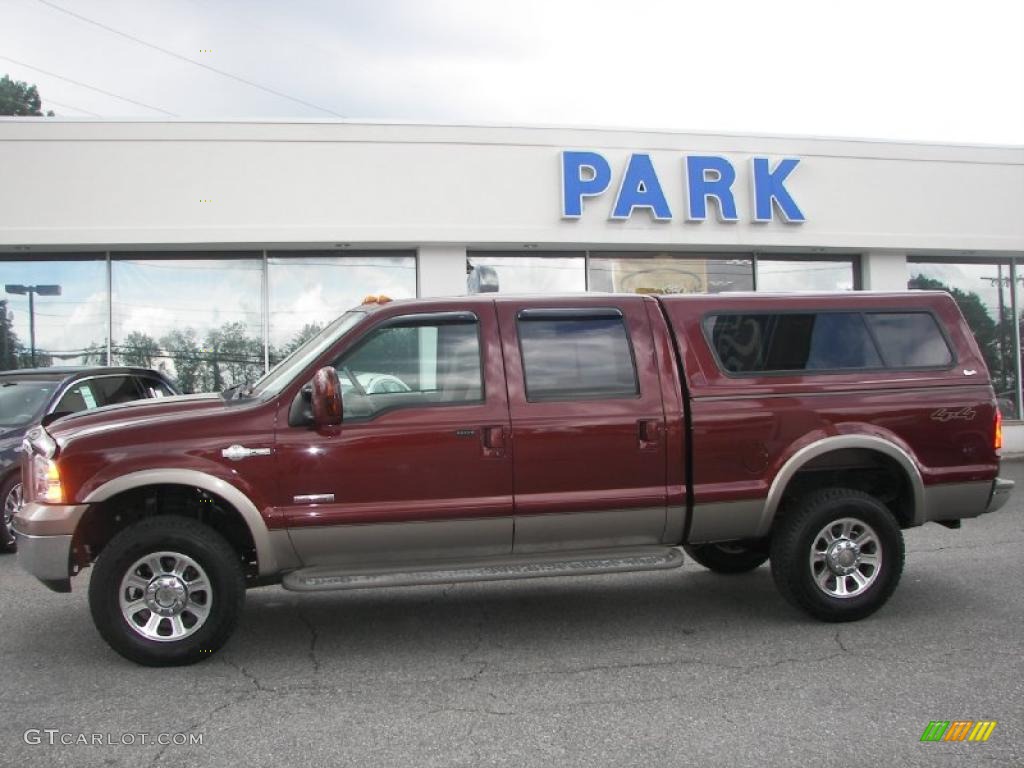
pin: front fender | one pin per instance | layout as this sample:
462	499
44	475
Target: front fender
265	553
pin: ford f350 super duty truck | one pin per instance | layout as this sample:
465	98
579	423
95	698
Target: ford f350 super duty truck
493	437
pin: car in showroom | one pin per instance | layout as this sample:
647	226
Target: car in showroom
31	395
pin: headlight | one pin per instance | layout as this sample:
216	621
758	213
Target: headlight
46	485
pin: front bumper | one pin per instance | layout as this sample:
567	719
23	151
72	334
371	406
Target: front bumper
1001	490
48	558
44	534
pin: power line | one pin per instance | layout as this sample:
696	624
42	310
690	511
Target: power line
68	106
86	85
155	47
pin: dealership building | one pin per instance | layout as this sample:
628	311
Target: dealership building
211	248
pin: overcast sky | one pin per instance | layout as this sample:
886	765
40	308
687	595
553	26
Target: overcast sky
897	69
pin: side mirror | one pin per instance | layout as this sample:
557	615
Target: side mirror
326	398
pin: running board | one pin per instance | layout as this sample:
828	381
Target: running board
494	569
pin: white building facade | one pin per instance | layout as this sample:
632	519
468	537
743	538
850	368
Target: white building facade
211	248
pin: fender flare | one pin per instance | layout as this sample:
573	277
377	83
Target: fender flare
798	460
265	557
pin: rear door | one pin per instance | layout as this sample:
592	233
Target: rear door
588	423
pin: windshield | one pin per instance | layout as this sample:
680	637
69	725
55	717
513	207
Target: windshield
23	401
278	378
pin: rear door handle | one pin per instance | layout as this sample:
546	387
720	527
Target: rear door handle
648	432
493	439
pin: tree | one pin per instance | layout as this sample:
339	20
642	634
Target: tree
138	349
309	330
10	347
20	99
233	356
189	366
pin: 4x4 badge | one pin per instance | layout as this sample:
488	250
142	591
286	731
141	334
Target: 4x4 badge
238	452
945	414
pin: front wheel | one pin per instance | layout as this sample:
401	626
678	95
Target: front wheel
727	557
167	591
838	555
11	499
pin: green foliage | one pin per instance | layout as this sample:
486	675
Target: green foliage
189	367
19	99
138	349
309	330
994	337
10	347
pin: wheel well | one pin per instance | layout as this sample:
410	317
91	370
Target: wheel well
103	520
861	469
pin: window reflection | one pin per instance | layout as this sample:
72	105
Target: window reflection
309	289
982	291
798	274
670	273
199	320
70	328
557	272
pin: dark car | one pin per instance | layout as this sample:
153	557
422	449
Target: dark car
31	394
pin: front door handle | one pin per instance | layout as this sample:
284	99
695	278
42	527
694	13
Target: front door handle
648	433
493	439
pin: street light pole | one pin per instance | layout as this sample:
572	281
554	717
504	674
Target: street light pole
32	290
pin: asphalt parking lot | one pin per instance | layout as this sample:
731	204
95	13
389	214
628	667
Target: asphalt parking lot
670	668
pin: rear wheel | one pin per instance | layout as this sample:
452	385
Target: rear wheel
727	557
167	591
11	499
838	555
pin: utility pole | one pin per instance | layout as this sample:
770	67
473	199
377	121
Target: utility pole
32	290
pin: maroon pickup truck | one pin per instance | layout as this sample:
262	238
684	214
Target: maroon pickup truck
494	437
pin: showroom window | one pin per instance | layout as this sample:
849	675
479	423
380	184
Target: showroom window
210	320
986	297
309	289
68	307
666	273
526	272
197	316
801	273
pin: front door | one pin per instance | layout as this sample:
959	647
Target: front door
588	423
421	466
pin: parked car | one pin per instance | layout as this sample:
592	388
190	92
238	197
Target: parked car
28	395
534	437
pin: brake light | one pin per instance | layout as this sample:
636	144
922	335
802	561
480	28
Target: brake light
46	486
998	439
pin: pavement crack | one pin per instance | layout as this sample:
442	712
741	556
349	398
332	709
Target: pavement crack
839	642
256	684
314	638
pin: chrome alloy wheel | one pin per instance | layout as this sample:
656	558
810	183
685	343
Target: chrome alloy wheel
846	557
12	503
165	596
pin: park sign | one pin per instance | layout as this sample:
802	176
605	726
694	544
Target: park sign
708	181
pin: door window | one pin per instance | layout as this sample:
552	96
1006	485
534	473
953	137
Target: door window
569	358
79	398
111	390
154	388
428	361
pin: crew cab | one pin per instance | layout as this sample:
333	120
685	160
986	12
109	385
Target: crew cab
500	437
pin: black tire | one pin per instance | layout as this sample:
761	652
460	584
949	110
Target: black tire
812	585
188	540
7	488
727	557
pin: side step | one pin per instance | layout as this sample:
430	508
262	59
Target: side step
493	569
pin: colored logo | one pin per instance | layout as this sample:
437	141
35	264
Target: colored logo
958	730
